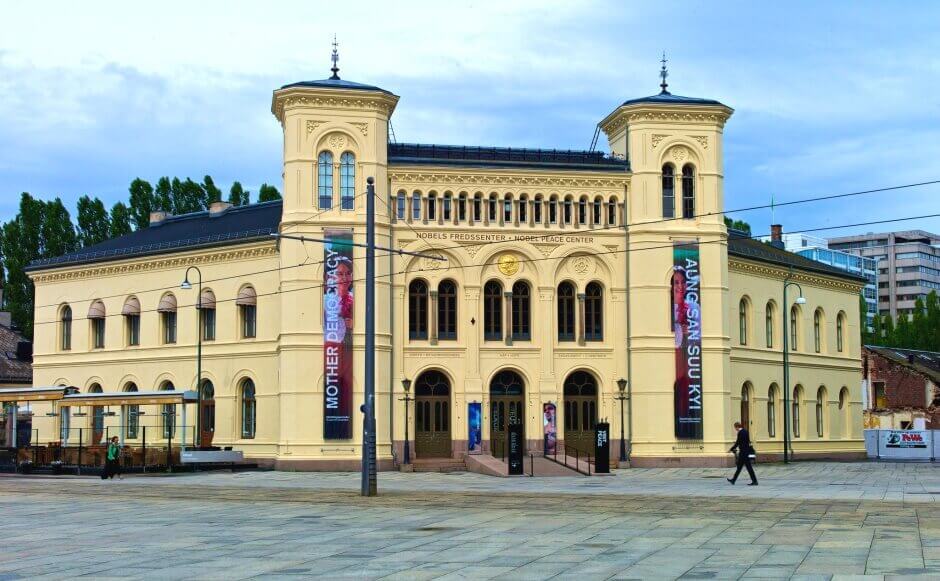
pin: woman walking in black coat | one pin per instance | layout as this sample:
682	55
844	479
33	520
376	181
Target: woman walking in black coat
745	453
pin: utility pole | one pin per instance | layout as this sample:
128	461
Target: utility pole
369	477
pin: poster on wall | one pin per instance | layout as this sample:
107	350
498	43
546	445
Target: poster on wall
687	331
338	303
475	427
549	428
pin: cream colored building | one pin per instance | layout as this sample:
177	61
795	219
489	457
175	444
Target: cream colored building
557	283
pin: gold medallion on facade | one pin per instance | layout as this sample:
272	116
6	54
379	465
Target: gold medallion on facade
508	264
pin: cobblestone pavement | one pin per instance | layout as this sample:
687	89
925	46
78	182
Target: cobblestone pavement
810	521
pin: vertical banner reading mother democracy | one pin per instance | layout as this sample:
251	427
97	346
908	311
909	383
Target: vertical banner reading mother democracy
338	303
687	328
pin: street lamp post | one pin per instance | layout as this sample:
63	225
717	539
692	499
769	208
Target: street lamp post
622	388
800	300
186	285
406	385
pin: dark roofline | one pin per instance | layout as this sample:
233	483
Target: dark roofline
917	367
751	249
336	84
474	156
670	99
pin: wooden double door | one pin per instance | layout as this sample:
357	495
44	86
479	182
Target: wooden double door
432	416
507	407
580	412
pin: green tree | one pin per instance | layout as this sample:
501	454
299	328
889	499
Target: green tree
932	307
141	203
120	220
919	332
903	332
878	332
211	192
94	225
163	195
20	240
738	225
237	196
268	193
889	334
58	234
188	196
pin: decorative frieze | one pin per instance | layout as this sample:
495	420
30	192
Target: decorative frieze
543	181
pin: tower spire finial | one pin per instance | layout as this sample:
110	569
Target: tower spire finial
663	73
335	59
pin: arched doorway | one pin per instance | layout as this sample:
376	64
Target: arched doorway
432	415
97	418
507	407
207	422
580	411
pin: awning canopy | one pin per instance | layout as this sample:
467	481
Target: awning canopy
247	296
167	303
96	310
207	300
36	393
129	398
131	306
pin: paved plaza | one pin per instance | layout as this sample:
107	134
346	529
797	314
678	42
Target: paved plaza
806	520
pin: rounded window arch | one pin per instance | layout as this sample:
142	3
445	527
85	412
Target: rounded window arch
746	395
796	406
821	411
167	310
432	383
507	382
131	415
65	327
325	180
507	209
688	191
523	208
249	408
770	313
566	311
492	209
669	191
96	317
400	205
744	315
347	180
521	311
773	394
612	211
597	211
447	310
844	409
553	209
168	412
794	327
840	332
493	311
582	210
594	312
247	304
418	310
537	203
819	330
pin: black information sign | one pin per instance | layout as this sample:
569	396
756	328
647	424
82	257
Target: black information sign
602	448
515	449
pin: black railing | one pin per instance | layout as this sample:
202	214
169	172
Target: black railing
503	154
575	454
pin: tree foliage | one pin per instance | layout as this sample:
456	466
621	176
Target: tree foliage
120	220
94	224
238	196
738	225
268	193
141	203
921	330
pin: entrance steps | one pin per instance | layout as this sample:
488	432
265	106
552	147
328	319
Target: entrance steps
439	465
533	466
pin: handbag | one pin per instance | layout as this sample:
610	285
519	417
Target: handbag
752	452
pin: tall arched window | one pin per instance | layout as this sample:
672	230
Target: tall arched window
97	417
688	191
447	210
567	210
347	181
844	412
447	310
817	330
207	314
168	413
167	309
582	210
794	323
131	314
612	212
840	332
537	209
65	328
132	414
769	324
416	206
247	303
523	209
325	180
418	310
596	212
492	311
669	191
520	311
491	209
432	206
566	316
400	206
795	413
820	411
772	411
96	315
462	207
742	321
553	210
507	209
746	406
478	207
249	409
594	312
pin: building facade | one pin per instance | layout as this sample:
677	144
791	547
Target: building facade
564	273
908	265
902	388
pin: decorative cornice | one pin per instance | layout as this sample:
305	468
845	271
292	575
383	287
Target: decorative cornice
501	179
362	127
757	269
294	97
312	125
149	263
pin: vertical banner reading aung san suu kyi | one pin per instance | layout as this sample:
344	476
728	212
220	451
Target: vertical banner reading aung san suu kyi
687	327
338	304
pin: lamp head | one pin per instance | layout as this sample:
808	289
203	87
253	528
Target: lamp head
800	300
185	285
622	384
406	385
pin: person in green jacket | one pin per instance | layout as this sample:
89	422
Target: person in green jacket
112	463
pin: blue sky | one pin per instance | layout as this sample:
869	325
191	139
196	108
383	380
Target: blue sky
829	97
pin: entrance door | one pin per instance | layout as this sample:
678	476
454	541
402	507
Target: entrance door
432	416
507	406
207	423
580	412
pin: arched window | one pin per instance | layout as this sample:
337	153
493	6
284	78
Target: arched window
249	409
772	411
400	206
447	210
742	321
347	181
247	301
507	209
769	324
669	192
207	425
478	207
582	210
207	314
612	212
844	410
523	209
132	414
432	206
553	210
168	413
795	413
447	310
416	206
520	311
840	332
596	212
167	310
492	311
65	328
817	330
746	406
794	323
566	316
97	417
593	312
131	314
537	209
96	315
688	191
567	210
820	412
418	310
462	207
325	180
491	209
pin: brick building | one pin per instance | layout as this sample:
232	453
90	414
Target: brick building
902	388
